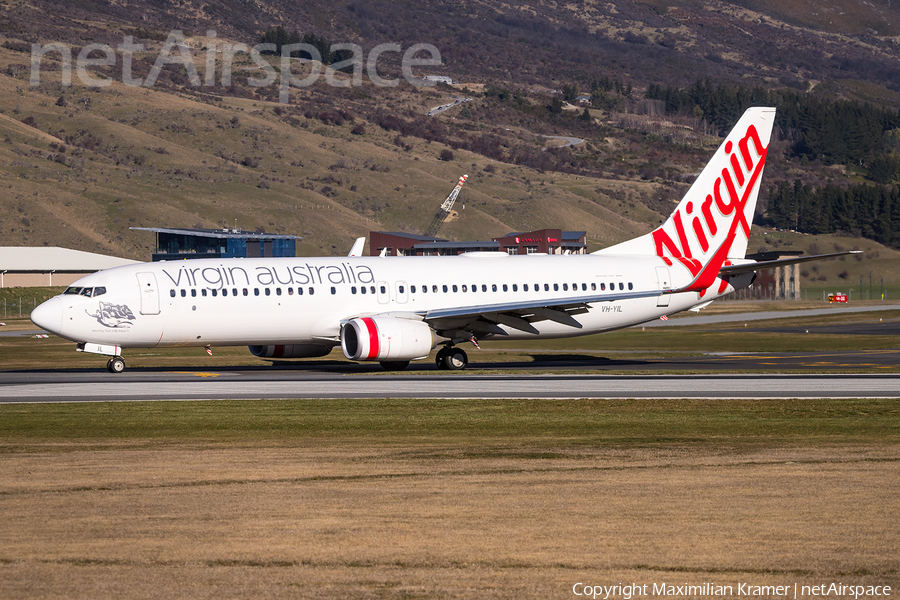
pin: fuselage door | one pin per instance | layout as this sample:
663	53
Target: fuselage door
384	292
662	276
149	293
402	292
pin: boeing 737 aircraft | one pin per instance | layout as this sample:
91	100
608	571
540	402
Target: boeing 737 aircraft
394	310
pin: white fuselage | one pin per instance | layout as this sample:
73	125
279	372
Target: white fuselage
394	310
305	300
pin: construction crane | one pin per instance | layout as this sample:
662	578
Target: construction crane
444	211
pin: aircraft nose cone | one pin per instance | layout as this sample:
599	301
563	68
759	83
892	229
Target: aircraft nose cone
49	315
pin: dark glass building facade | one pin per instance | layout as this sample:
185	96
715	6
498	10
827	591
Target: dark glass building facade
181	244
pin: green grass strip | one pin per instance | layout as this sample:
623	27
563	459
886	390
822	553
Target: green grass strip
591	422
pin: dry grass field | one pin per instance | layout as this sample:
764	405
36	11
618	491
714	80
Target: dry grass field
443	499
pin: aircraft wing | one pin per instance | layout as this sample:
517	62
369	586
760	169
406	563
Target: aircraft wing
520	315
737	269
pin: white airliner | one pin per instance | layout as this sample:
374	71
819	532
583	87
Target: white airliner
394	310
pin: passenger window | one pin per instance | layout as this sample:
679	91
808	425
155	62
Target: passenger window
399	288
267	292
371	289
193	293
621	286
290	291
555	287
455	289
171	293
183	293
525	287
583	287
277	291
505	288
445	289
333	290
434	289
515	288
464	288
214	292
203	292
593	287
353	289
256	291
299	291
246	292
484	288
424	289
565	287
312	291
224	291
383	290
630	286
412	289
493	287
362	289
546	287
603	287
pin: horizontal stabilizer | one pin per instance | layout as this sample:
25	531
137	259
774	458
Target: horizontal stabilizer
781	262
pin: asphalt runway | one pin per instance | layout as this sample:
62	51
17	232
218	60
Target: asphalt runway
683	319
243	384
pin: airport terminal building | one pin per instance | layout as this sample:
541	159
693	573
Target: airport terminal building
181	244
541	241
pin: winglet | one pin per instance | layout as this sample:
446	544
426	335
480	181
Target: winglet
358	247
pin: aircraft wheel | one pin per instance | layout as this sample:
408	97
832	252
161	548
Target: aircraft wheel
441	358
394	365
116	364
456	359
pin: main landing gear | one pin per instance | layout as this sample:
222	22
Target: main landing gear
451	359
116	364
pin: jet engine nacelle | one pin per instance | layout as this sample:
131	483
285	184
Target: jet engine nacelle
290	351
386	339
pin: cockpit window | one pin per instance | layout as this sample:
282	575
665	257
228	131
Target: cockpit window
85	291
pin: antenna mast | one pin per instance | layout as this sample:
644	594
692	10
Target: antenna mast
444	211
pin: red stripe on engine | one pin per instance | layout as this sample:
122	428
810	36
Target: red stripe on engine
373	337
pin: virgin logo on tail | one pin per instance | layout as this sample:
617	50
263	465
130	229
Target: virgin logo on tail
705	230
